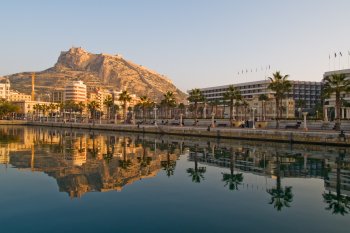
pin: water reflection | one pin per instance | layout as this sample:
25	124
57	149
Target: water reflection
83	161
337	202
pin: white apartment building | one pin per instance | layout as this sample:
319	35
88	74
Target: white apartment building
5	89
18	96
75	91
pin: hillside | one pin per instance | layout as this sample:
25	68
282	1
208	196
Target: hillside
97	70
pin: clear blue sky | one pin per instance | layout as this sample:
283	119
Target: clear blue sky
196	43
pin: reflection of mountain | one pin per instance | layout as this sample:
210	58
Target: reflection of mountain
77	171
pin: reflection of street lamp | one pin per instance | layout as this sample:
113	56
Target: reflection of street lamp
253	117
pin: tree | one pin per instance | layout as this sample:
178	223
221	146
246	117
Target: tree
168	101
125	98
214	104
7	108
281	86
233	95
263	98
336	84
93	106
52	108
80	108
108	102
245	107
196	97
144	102
197	172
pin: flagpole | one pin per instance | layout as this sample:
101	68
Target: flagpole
329	62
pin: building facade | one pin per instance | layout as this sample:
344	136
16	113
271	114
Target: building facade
75	91
309	92
5	89
329	112
18	96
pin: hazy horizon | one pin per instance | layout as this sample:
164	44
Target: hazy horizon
194	43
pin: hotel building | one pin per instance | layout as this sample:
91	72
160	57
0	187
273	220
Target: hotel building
329	105
308	91
75	91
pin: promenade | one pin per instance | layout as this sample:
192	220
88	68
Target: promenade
321	137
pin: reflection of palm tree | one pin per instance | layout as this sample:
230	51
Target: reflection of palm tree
231	179
169	165
337	202
125	163
197	172
280	197
109	154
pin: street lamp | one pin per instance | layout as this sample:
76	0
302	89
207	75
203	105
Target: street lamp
253	117
305	125
155	114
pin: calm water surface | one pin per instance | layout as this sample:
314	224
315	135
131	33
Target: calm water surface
61	180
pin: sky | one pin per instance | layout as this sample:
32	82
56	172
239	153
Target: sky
196	43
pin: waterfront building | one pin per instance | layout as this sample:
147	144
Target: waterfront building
18	96
99	96
4	89
75	91
26	107
309	92
329	104
57	96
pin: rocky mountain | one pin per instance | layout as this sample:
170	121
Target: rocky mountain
97	70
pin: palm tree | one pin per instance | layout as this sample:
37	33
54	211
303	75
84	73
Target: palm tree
52	108
245	105
197	172
263	98
80	108
231	179
108	102
144	102
336	84
233	95
214	104
280	197
93	106
196	97
337	202
125	98
168	101
281	86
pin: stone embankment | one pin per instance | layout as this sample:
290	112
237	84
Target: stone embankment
325	137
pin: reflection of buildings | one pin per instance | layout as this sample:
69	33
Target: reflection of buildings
84	162
263	163
338	173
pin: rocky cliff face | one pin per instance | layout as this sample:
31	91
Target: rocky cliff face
98	70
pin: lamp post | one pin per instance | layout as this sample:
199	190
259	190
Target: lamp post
181	115
212	119
316	114
155	115
305	125
116	118
253	117
299	110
